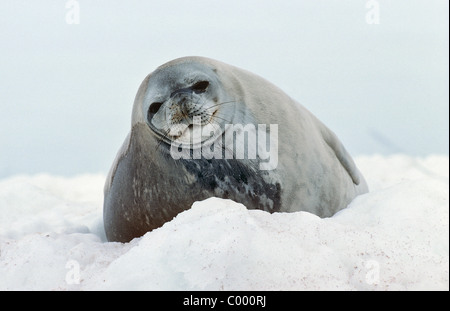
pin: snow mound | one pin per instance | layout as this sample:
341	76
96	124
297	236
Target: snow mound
394	238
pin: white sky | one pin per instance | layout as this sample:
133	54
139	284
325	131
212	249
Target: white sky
67	90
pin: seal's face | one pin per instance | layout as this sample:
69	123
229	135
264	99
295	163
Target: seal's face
185	103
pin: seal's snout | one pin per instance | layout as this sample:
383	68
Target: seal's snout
180	113
185	106
182	107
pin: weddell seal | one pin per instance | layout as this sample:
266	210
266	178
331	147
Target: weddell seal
201	128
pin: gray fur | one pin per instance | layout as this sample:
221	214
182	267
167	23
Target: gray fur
146	187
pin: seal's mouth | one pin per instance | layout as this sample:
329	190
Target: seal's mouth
191	132
178	130
188	125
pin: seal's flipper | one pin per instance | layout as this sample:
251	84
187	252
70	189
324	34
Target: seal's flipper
341	153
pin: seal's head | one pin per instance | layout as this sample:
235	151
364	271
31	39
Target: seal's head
182	101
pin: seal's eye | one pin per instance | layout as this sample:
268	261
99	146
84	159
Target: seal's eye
153	109
200	87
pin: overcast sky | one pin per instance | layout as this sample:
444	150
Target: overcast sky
66	90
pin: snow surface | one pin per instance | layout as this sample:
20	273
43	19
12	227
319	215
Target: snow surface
394	238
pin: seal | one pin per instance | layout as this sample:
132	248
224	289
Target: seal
202	128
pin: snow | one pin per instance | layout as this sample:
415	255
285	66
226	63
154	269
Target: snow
394	238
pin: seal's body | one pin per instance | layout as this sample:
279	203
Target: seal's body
189	118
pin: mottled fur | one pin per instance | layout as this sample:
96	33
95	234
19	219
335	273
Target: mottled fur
146	187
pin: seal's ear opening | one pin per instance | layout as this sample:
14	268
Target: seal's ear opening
154	107
200	87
